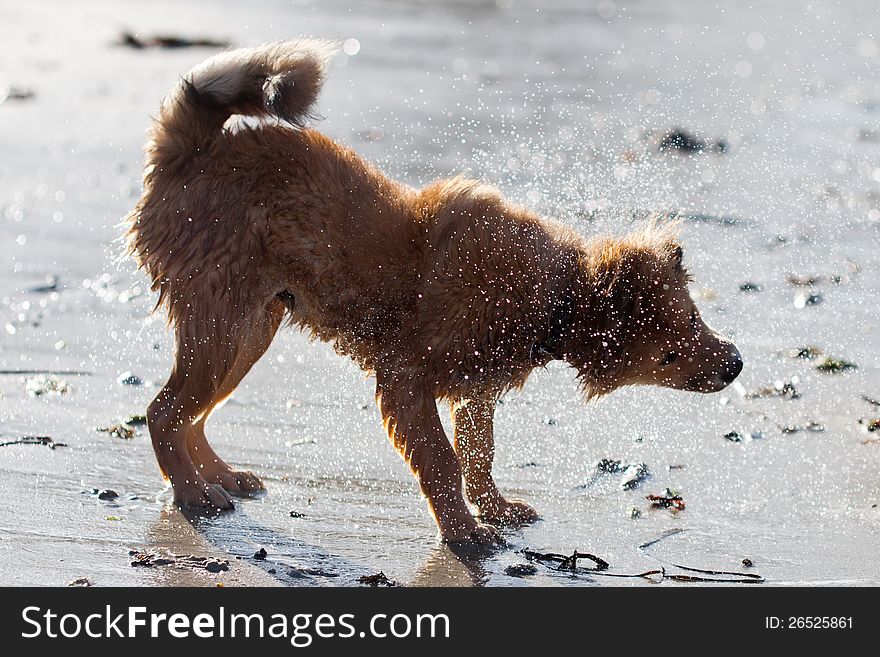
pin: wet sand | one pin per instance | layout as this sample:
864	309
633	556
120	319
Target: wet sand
552	105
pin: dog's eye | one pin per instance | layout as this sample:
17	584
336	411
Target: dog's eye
669	358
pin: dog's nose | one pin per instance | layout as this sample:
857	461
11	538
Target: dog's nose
733	368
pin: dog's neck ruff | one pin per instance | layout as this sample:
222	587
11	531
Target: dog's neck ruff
560	316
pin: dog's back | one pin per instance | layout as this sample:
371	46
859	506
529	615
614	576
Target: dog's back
233	217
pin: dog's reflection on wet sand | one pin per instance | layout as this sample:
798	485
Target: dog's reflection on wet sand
238	537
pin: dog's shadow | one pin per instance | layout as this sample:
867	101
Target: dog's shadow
239	538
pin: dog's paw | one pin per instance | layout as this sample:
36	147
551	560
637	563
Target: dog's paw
204	498
486	535
478	535
508	513
238	482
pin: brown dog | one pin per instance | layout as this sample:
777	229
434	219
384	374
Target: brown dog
445	293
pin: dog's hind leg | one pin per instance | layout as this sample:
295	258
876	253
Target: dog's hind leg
475	446
410	414
208	346
256	339
184	399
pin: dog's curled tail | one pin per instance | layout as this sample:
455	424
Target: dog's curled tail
278	79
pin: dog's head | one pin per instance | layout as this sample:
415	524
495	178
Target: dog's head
634	321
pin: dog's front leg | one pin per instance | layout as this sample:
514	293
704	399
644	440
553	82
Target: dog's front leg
410	415
475	446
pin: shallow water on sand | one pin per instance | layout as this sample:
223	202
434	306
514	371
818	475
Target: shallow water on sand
551	105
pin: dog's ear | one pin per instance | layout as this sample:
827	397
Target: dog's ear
678	258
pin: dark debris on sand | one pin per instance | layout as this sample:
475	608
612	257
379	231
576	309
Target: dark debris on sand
810	427
601	569
569	562
129	379
168	41
745	437
521	570
632	474
299	573
871	425
781	389
48	441
11	93
80	581
684	142
105	493
808	352
51	285
135	420
379	579
803	281
668	499
802	300
120	430
702	218
149	560
831	365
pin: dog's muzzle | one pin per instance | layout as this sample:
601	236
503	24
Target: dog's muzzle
722	379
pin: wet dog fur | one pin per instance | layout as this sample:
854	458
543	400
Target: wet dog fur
445	293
